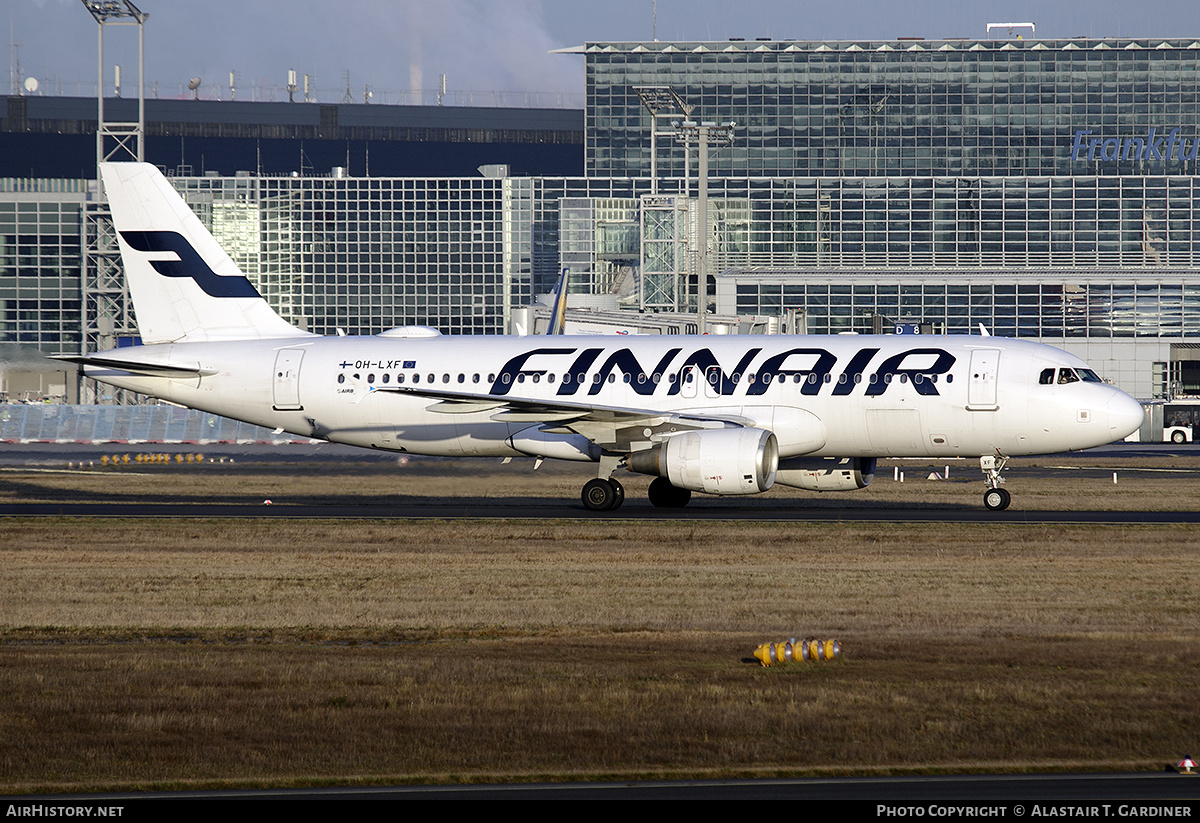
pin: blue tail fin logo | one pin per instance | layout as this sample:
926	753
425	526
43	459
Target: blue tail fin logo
189	263
558	311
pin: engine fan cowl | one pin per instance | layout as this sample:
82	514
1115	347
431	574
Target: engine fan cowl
714	461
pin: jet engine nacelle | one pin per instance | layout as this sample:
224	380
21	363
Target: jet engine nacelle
714	461
828	474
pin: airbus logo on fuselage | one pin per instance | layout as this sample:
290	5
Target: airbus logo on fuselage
813	367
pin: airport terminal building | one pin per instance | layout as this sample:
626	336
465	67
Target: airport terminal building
1042	188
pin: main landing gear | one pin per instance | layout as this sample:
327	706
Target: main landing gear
603	494
665	496
995	498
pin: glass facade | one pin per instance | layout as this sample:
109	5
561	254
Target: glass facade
904	108
1030	307
367	254
1070	222
41	263
1043	189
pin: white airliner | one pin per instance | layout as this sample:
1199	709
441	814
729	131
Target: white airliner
722	415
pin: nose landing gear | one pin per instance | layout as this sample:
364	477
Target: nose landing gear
994	498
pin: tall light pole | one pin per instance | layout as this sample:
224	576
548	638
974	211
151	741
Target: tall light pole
703	135
107	312
660	101
128	135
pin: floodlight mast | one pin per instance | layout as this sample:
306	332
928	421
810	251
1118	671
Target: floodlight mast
107	309
128	136
660	101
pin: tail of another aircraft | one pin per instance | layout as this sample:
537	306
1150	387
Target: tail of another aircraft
185	288
558	310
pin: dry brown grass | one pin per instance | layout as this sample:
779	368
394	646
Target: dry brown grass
977	580
171	652
637	705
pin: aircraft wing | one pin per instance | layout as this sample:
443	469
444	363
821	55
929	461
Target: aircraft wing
612	427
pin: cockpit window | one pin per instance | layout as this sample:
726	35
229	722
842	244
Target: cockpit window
1047	377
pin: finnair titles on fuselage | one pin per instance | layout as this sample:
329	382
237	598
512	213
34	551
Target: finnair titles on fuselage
721	415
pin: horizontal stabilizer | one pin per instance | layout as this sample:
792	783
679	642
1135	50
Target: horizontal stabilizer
136	367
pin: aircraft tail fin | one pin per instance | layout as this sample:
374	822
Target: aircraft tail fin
558	309
184	286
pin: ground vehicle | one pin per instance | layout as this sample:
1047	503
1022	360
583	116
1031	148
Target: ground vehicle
1180	421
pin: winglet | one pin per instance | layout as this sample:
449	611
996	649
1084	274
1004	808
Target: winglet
558	310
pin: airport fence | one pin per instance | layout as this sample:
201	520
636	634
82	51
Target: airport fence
129	424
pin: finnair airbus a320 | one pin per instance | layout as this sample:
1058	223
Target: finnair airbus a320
721	415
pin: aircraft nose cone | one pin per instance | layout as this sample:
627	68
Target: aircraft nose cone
1125	415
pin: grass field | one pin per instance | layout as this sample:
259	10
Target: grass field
158	652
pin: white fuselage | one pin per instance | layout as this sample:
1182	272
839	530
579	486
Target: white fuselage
844	396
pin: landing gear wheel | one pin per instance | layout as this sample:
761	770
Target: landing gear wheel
601	495
665	496
997	500
618	496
